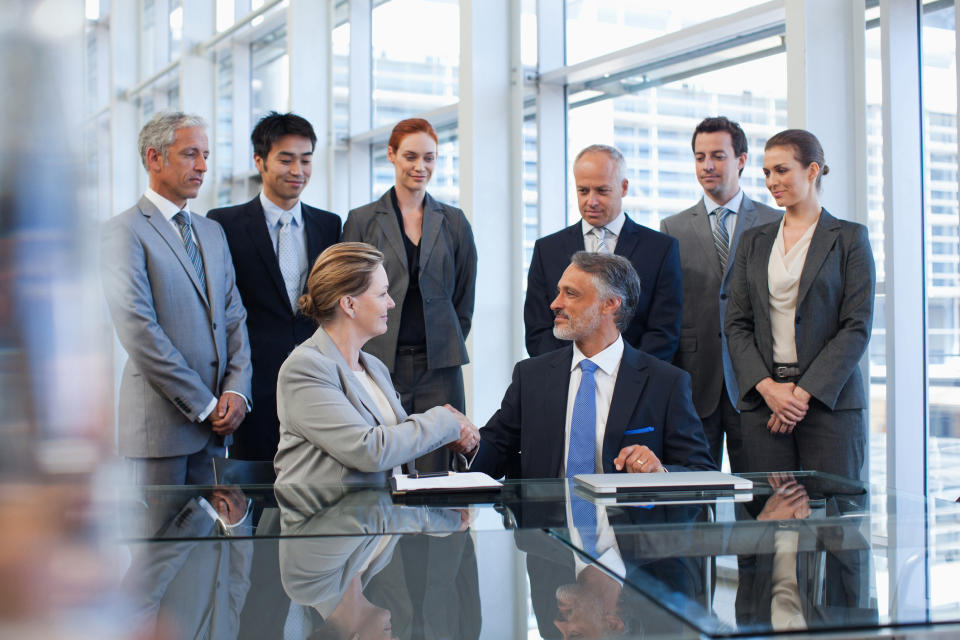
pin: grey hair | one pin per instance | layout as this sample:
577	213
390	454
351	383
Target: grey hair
160	131
614	277
612	152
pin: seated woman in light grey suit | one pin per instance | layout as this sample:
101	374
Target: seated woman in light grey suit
340	417
798	322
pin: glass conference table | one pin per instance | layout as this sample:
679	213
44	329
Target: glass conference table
803	554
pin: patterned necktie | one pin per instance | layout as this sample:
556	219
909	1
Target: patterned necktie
601	234
289	258
193	251
720	236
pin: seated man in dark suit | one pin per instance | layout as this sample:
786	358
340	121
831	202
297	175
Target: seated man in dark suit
274	240
653	325
598	405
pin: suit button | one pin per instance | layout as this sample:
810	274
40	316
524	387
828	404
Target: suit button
720	335
723	296
214	326
798	319
213	363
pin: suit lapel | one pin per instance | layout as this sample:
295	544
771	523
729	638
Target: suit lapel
256	224
822	241
432	223
746	218
556	376
325	345
631	380
765	240
387	219
212	265
315	239
704	232
174	241
627	241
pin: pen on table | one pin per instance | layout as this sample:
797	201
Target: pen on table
435	474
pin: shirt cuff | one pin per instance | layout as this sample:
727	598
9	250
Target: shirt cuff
206	412
246	400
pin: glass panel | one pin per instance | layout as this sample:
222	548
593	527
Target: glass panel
941	231
270	76
225	14
445	184
341	72
148	38
176	29
652	128
416	57
223	155
877	460
596	27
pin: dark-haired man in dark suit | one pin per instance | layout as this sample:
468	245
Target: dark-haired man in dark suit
274	239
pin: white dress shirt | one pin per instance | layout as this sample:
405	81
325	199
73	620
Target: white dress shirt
591	242
607	548
783	276
168	210
272	213
605	377
733	205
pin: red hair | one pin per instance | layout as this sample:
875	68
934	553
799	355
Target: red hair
408	126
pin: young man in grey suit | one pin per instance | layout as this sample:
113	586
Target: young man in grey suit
708	233
172	294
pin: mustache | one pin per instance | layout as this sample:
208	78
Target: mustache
560	314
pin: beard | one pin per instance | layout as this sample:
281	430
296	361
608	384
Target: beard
576	328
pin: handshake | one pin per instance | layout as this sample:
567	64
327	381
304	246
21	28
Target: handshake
469	434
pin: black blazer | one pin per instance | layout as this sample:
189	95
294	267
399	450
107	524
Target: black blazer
273	327
651	405
834	312
655	327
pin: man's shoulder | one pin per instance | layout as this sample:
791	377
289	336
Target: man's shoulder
686	215
320	215
557	357
559	237
228	215
658	368
765	212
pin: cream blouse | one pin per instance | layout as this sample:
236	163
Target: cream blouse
783	277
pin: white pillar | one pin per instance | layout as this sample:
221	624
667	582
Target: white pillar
360	104
308	45
127	175
490	121
198	81
551	119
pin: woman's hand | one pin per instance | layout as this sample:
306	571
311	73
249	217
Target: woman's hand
469	434
782	400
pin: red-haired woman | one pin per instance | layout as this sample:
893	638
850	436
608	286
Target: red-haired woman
431	262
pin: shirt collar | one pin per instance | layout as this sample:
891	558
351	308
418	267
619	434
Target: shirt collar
615	226
733	204
273	212
166	208
608	360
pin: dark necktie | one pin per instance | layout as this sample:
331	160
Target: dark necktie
720	236
193	251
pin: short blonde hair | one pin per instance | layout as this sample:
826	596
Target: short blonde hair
344	269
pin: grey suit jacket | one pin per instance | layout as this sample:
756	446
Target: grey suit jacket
448	276
186	345
705	291
330	429
834	314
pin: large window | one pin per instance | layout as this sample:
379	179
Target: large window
270	77
942	255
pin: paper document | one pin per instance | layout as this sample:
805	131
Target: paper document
468	481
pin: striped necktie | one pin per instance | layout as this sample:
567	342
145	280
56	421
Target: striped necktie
289	258
720	236
193	251
601	235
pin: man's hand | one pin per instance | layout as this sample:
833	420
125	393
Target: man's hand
230	503
637	458
781	399
469	434
228	414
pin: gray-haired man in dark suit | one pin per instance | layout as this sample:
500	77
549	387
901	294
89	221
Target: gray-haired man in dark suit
171	290
708	233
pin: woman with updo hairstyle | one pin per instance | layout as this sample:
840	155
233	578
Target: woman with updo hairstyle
431	262
798	322
341	420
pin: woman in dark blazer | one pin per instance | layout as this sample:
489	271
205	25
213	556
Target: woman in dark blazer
798	323
431	262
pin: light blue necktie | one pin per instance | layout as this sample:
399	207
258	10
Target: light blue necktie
289	258
193	251
581	454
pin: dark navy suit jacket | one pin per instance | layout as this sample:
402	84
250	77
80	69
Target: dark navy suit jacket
655	327
273	327
651	405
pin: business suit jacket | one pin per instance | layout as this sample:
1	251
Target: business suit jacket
186	345
448	276
655	327
330	429
651	406
705	292
273	327
833	319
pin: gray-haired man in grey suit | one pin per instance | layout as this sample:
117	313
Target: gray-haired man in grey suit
171	290
708	233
